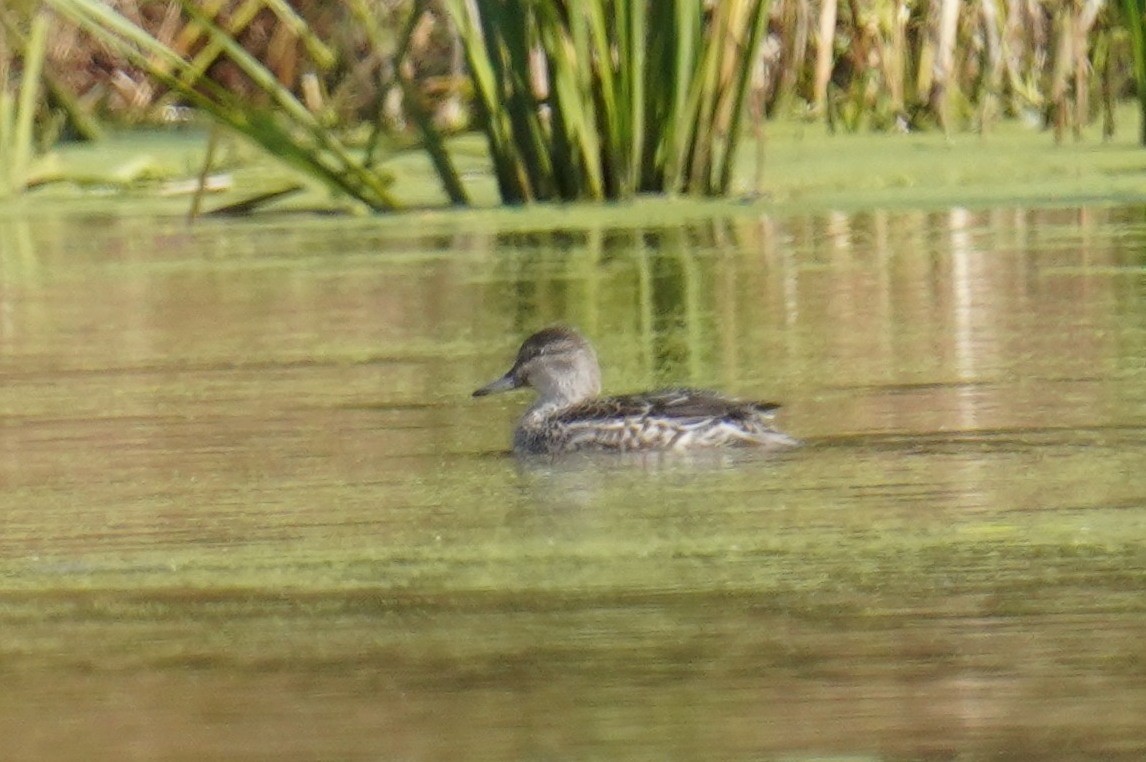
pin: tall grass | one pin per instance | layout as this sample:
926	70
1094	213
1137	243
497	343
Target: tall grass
271	116
603	99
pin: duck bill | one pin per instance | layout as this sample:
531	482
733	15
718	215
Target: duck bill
506	383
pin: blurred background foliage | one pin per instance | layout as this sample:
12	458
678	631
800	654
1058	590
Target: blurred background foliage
359	79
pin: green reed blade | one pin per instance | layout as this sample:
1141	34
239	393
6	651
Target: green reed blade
28	101
757	14
1134	17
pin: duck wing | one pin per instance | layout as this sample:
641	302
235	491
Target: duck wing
684	406
702	403
665	419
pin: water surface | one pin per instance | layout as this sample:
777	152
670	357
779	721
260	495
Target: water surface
250	510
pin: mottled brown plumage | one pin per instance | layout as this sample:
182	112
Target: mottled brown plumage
569	415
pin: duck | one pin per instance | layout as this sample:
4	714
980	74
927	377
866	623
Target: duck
569	415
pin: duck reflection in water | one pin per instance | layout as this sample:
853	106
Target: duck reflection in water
569	416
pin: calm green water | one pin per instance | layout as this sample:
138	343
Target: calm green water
250	511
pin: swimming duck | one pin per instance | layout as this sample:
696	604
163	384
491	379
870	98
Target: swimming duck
568	415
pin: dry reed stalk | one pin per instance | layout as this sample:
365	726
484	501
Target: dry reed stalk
993	37
825	55
892	21
944	66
